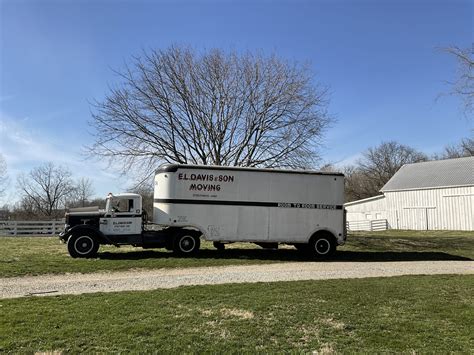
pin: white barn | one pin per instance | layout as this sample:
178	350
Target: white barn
433	195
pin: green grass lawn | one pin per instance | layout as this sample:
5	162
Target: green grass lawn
39	255
427	314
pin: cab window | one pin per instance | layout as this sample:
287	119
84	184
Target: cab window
122	205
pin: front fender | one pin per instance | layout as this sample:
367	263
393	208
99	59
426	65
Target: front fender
64	236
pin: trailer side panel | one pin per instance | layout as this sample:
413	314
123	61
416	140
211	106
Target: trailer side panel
250	204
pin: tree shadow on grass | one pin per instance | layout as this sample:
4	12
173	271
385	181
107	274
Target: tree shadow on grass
285	255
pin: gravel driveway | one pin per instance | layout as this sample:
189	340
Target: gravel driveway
50	285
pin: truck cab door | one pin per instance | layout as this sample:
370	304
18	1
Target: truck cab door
121	218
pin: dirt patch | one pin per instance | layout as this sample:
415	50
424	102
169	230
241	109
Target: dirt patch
237	313
333	323
308	334
325	349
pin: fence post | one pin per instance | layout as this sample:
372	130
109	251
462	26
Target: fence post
15	228
371	227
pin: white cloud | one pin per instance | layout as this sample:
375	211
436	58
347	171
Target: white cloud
348	160
22	144
24	147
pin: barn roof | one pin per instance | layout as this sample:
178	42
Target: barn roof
373	198
433	174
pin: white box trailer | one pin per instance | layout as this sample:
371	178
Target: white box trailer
231	204
221	204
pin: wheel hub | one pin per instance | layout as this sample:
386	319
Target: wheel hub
187	244
323	246
84	245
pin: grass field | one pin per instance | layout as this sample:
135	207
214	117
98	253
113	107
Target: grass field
40	255
427	314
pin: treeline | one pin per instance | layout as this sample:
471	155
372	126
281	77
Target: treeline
48	190
378	164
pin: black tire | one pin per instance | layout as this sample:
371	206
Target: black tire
82	245
219	246
186	243
322	245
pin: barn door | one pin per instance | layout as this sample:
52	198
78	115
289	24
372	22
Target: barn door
418	218
413	218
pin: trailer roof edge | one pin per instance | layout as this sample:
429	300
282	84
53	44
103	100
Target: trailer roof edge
171	168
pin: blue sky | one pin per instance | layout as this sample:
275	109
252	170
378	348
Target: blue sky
379	58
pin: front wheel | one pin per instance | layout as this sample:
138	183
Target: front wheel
322	245
186	243
82	245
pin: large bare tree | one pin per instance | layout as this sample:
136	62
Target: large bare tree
211	108
463	85
46	188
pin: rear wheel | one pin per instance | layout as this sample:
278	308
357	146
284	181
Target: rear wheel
186	243
322	245
82	245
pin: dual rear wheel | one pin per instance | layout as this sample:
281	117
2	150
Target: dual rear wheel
186	242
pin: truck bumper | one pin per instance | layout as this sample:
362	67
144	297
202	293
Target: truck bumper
64	236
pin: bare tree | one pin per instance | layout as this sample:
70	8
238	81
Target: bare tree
82	193
25	209
357	185
46	188
328	167
463	86
465	148
211	108
377	166
3	176
99	202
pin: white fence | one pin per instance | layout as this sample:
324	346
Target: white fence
55	227
368	225
8	228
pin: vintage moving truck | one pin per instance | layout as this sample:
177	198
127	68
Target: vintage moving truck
220	204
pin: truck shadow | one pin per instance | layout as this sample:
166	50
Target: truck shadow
287	255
